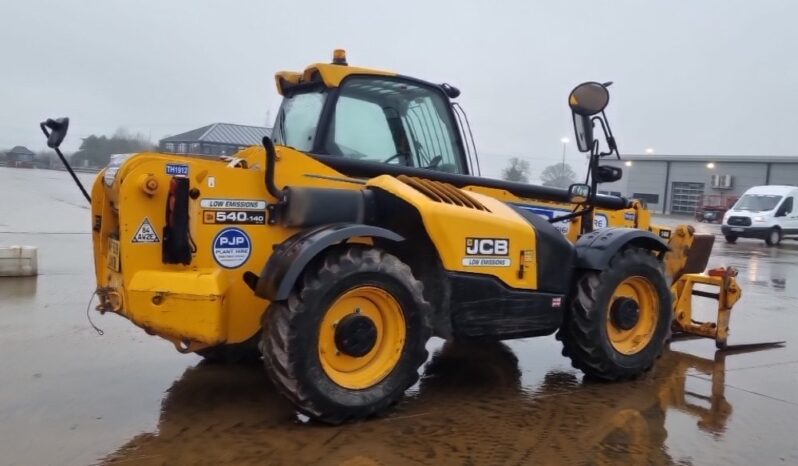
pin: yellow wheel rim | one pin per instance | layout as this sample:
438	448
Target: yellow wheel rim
367	370
632	340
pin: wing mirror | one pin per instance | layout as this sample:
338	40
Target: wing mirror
578	193
607	174
57	131
586	100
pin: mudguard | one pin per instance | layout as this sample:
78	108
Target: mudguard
289	260
594	250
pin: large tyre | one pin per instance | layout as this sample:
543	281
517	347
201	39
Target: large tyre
619	318
774	237
235	353
349	341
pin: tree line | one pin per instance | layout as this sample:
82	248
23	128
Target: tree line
95	151
559	175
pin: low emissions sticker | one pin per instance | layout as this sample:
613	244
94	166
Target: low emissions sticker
233	204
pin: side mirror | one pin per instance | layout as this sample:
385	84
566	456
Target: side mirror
590	98
586	100
607	174
578	193
583	128
57	131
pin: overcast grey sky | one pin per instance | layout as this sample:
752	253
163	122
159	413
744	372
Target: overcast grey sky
697	77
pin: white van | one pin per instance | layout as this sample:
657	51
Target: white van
764	212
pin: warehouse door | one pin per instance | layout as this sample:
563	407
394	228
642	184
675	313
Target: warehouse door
685	197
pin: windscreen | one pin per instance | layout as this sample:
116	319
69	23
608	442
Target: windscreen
758	202
396	122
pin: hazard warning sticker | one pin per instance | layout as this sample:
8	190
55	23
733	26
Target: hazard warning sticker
146	233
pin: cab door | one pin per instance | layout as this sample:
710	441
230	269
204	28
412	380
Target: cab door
787	215
790	218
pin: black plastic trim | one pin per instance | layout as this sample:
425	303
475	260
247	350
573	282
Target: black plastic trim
554	253
290	258
366	169
484	307
595	250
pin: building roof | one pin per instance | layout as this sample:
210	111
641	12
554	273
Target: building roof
20	150
712	158
223	133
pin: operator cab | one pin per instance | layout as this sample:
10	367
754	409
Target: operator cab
366	115
365	122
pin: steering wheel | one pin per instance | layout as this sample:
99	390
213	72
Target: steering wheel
394	157
433	164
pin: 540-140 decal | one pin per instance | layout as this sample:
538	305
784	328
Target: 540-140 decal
234	217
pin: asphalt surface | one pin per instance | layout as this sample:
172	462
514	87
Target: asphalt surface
69	395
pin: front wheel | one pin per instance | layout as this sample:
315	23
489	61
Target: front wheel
731	239
350	340
619	318
774	237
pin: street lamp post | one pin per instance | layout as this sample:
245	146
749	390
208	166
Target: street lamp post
564	141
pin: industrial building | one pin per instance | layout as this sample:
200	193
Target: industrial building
679	184
214	139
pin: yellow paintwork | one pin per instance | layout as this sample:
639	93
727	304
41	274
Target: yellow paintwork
331	75
218	305
728	294
633	340
449	226
204	304
169	299
383	309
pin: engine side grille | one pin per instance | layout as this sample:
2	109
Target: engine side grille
442	192
740	221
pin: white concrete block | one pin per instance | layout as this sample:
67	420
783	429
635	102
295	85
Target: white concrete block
18	261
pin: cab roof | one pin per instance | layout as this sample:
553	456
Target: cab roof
331	74
774	190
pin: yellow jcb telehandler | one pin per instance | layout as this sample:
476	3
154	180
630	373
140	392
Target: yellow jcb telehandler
361	228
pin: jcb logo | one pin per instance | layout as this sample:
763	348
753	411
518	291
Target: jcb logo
487	247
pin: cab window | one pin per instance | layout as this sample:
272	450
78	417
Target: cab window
395	122
298	119
361	131
786	207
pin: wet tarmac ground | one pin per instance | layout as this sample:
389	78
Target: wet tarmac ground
71	396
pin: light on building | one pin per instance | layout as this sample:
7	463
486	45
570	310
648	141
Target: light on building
628	163
710	165
649	150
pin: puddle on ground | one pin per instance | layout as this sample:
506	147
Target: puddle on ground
470	408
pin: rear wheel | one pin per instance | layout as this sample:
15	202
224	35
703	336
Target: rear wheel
619	318
350	340
774	237
731	239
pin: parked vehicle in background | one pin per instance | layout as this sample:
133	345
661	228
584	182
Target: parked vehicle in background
763	212
712	207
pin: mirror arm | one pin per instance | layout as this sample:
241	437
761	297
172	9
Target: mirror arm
571	215
43	126
611	144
